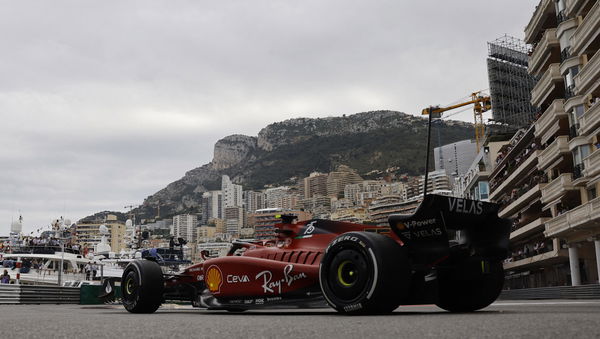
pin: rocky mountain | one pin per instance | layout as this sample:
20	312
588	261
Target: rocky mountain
291	149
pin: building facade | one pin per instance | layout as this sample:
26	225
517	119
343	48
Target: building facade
184	226
547	177
455	158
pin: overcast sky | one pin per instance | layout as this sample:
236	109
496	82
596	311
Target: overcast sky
103	103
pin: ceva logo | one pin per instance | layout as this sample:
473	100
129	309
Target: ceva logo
234	279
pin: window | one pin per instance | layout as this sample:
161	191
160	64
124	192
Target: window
483	190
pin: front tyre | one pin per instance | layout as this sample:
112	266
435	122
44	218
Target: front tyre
364	273
142	286
470	287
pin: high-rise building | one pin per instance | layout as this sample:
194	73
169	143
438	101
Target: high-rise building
338	179
315	185
212	206
436	181
548	177
232	194
184	226
455	158
235	219
254	201
510	83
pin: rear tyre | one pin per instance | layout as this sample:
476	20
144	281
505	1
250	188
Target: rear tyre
468	295
142	286
364	273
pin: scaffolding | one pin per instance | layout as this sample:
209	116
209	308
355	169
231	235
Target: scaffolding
510	83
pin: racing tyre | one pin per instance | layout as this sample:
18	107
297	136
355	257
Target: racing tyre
467	295
364	273
142	286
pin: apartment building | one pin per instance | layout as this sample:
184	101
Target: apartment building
548	176
314	185
184	226
88	233
338	179
263	221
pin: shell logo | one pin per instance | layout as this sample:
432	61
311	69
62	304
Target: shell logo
214	279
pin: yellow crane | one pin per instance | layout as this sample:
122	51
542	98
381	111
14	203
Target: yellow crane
482	103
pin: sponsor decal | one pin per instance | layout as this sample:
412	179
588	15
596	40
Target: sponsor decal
234	279
259	301
353	307
275	286
196	269
465	206
248	301
308	230
200	277
214	279
420	223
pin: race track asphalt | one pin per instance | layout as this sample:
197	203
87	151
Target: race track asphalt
505	319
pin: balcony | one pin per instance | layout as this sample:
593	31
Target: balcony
587	31
574	6
590	120
589	78
557	148
543	10
557	188
521	202
556	255
543	51
546	85
577	219
516	175
532	227
592	164
548	122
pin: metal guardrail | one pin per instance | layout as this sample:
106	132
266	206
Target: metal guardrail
30	294
556	292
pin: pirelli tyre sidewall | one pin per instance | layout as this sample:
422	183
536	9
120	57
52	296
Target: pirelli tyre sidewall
364	273
142	286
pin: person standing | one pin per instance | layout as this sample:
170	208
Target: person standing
5	278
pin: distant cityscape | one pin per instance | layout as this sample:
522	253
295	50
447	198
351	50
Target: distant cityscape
540	160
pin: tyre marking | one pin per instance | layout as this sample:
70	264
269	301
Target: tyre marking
374	275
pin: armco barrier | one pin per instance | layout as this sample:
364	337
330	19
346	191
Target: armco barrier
31	294
556	292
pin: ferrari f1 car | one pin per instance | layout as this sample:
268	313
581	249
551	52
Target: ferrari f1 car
449	252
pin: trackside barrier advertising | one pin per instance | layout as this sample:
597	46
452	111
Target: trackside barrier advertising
30	294
556	292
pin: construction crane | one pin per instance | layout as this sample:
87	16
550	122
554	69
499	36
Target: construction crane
482	103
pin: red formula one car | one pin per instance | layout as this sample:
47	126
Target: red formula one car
449	252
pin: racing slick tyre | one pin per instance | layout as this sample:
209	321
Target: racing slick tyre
364	273
142	286
467	295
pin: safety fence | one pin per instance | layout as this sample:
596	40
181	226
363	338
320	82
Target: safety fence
31	294
555	292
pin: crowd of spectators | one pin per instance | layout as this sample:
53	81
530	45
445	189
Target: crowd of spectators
529	250
516	193
38	245
512	164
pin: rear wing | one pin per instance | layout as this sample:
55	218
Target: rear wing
428	231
